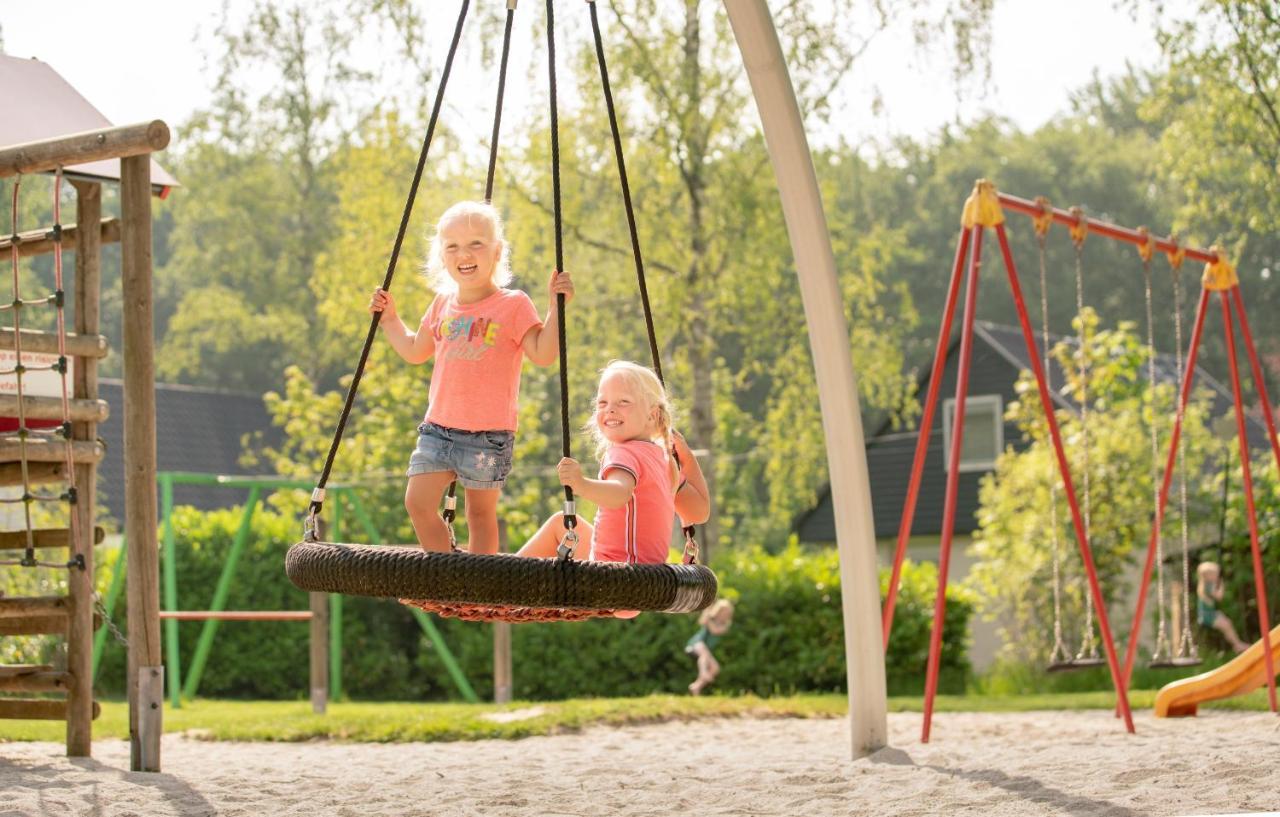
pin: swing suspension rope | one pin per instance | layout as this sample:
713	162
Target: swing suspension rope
1079	231
1187	649
1059	655
503	586
451	497
310	532
1161	651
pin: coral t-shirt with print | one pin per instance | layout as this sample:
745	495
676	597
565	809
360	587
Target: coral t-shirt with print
476	379
640	531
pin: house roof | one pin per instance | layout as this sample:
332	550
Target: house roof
197	430
999	354
40	104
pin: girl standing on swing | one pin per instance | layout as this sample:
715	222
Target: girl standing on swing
479	333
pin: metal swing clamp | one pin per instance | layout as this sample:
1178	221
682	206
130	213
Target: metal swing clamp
311	522
570	541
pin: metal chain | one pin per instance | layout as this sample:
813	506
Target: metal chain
1059	654
1187	649
1088	643
101	610
1161	649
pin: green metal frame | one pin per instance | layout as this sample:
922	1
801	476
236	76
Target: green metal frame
177	689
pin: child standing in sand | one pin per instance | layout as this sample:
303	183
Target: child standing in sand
1209	591
712	625
479	332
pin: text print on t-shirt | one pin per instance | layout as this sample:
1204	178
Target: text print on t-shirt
466	337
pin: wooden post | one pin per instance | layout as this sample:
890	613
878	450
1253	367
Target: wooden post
319	652
88	279
502	678
140	461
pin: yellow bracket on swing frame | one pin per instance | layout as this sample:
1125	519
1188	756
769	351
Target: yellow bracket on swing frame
982	208
1220	274
1147	249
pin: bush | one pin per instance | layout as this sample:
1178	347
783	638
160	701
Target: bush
788	633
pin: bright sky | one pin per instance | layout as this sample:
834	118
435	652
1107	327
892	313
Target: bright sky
1042	51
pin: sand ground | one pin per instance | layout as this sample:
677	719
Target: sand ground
997	765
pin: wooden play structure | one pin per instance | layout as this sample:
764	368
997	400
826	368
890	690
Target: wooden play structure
66	451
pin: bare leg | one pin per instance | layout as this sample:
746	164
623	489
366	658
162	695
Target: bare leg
543	544
708	668
421	500
1223	625
482	519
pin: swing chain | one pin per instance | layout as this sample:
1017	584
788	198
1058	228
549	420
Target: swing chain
101	609
1162	647
1042	224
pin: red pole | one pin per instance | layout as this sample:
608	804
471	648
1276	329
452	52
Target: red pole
1259	578
926	427
1135	631
1085	553
1258	379
953	483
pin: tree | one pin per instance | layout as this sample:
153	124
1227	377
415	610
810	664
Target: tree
1220	102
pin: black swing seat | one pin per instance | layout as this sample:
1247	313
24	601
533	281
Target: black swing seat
502	580
1175	663
1075	664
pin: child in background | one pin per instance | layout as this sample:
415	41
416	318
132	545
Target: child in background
1209	592
479	333
640	489
712	625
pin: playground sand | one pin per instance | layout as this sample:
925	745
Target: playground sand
997	765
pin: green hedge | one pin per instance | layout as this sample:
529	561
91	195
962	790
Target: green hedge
787	634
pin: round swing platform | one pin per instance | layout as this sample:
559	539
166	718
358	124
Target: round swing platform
501	587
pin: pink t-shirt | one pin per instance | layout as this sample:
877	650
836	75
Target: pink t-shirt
640	531
476	379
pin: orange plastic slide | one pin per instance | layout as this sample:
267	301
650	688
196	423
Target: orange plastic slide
1245	673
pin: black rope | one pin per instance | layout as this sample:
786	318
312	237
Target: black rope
626	191
689	530
570	520
317	503
450	512
497	108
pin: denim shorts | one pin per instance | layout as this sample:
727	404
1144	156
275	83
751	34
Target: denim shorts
480	459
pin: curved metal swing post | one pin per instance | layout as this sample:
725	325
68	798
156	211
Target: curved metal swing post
837	387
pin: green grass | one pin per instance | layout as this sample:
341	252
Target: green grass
405	722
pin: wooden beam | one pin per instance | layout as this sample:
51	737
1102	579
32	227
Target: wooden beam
50	408
43	449
88	146
34	709
36	682
40	625
38	473
45	538
33	340
40	242
10	670
24	606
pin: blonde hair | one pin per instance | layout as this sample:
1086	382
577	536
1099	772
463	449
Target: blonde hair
714	611
647	388
436	271
1204	568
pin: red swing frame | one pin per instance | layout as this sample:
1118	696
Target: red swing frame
985	209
